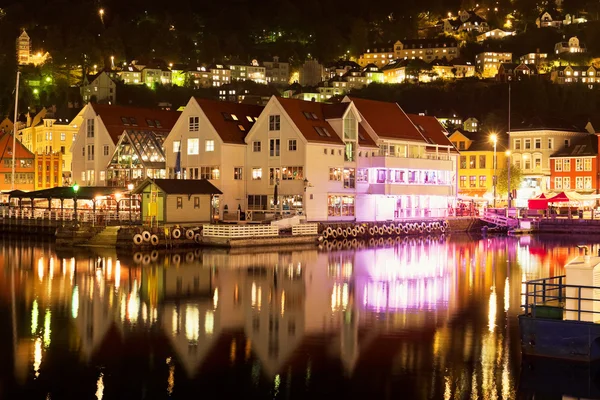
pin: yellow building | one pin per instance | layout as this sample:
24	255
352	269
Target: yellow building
51	136
476	162
48	170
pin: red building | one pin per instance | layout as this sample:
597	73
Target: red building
24	169
575	168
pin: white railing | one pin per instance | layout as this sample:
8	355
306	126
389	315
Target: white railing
499	220
239	231
305	229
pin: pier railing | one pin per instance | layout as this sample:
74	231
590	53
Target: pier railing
239	231
553	298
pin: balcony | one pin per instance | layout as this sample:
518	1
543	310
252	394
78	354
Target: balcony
410	189
439	161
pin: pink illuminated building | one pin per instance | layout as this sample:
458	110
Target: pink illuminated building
358	160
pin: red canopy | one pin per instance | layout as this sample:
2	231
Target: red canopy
538	203
559	198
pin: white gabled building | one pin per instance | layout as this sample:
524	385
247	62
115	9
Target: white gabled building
413	172
357	160
210	138
100	130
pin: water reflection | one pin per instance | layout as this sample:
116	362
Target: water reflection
426	318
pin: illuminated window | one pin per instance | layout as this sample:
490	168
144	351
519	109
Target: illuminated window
176	146
482	181
567	165
209	145
558	165
238	173
256	174
193	145
558	182
566	182
587	164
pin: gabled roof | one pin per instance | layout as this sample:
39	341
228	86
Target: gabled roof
229	119
334	111
431	129
546	123
315	128
180	186
586	146
6	150
387	119
116	119
397	63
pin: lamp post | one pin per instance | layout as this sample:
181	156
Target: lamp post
130	188
508	164
494	139
75	190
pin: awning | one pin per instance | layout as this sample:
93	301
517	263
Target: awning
67	192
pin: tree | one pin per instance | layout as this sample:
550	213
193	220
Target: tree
516	177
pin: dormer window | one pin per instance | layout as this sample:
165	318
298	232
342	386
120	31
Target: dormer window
125	121
133	121
150	123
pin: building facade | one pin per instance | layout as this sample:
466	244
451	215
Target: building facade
277	72
575	168
100	129
99	88
532	144
347	162
24	165
48	170
424	49
207	142
487	63
478	163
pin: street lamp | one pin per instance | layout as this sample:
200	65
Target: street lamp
75	190
494	139
130	188
508	177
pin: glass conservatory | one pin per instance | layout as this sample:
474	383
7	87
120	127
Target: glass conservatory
137	156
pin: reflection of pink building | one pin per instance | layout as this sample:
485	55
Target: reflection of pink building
411	277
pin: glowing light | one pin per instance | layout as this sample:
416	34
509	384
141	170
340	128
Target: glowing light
34	317
175	323
41	268
37	356
117	274
506	295
100	387
171	378
232	350
209	323
72	275
47	330
75	302
192	323
282	303
216	298
492	310
133	306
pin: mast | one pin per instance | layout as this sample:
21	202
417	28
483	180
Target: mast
12	186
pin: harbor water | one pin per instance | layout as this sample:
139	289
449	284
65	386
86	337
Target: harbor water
420	318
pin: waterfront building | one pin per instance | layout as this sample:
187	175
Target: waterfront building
48	170
476	163
357	160
99	132
532	143
207	142
50	136
24	167
173	201
575	168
